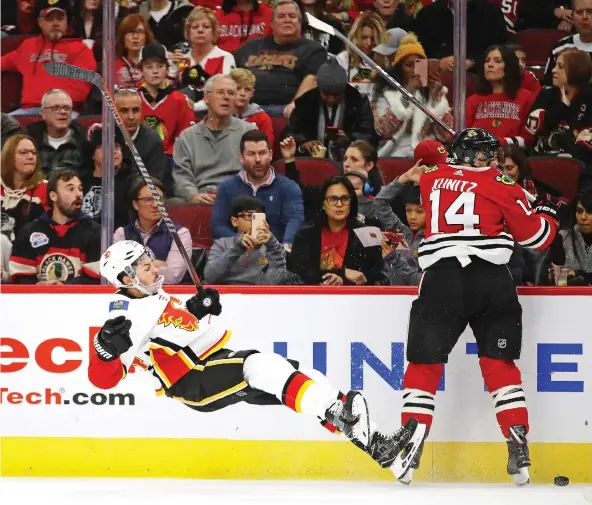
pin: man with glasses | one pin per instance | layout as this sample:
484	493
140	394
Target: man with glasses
205	153
28	59
59	139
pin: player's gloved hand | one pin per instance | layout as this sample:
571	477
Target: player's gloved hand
113	339
206	301
546	205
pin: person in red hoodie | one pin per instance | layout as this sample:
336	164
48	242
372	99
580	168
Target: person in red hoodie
28	59
242	20
500	106
529	80
243	108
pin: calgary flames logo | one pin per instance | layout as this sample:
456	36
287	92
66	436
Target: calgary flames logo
177	315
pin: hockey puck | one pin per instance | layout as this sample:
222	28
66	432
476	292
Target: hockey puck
561	481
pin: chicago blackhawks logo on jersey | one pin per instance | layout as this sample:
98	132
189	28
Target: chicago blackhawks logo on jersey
157	125
57	267
177	315
504	179
431	169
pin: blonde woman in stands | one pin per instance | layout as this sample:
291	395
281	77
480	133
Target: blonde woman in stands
132	35
367	32
23	191
401	124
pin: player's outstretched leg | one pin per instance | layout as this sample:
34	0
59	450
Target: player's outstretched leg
273	374
504	381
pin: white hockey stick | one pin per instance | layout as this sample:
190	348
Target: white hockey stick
324	27
402	463
82	74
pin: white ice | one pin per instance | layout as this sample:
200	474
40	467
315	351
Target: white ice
50	491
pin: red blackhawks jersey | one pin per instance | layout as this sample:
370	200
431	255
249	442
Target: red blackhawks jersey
509	9
499	114
168	114
468	210
167	341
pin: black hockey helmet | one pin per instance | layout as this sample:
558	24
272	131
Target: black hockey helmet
474	145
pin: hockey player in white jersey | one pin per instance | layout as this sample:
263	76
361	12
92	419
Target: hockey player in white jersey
177	345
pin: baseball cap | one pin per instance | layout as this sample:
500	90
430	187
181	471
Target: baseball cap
431	152
393	41
153	50
46	7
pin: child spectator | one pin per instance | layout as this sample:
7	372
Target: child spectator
132	35
244	258
242	20
529	80
243	108
167	111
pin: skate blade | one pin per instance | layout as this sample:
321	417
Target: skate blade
522	477
406	479
401	464
359	408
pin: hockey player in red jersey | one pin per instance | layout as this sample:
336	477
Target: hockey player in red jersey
186	357
465	281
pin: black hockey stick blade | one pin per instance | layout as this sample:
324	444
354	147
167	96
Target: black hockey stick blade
72	72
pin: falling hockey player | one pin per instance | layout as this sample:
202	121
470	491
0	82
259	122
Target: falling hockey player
466	282
175	342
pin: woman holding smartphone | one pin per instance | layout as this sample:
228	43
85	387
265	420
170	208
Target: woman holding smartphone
397	121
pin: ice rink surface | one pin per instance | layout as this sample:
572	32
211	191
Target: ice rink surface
50	491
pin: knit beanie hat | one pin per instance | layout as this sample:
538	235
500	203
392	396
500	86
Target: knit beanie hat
332	77
409	45
95	137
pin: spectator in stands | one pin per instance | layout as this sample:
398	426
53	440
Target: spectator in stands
582	40
63	246
367	32
164	109
434	26
148	228
205	59
562	13
536	14
529	80
8	128
516	167
242	20
87	24
331	115
368	212
205	154
328	251
317	8
24	189
362	156
284	63
166	18
146	140
406	187
281	196
28	59
572	248
244	258
561	112
499	104
133	34
393	13
92	182
403	126
59	139
243	108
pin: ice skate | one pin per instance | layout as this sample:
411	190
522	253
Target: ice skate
351	418
412	455
518	455
408	476
384	448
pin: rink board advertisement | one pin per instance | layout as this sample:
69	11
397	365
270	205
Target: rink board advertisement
54	422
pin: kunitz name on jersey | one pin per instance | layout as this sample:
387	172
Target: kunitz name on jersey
454	185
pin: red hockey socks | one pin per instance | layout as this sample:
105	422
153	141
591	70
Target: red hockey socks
420	384
504	382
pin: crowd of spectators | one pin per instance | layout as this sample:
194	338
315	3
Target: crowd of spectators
200	86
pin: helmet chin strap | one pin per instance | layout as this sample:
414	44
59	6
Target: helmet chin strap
150	289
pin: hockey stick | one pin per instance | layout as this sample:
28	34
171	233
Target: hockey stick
324	27
82	74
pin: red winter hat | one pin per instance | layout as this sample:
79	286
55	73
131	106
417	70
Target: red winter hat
431	152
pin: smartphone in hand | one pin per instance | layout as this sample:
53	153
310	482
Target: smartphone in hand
257	223
421	69
331	133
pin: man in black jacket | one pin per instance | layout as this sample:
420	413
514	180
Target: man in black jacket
332	115
434	27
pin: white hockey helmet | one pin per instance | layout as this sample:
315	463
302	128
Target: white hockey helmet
120	258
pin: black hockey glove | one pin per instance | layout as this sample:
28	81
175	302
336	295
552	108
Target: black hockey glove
206	301
546	205
113	339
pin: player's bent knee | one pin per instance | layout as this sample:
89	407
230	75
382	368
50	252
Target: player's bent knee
267	371
498	373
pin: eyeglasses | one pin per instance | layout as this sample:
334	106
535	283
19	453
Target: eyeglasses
343	200
24	152
136	32
147	200
247	216
225	92
59	108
